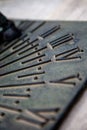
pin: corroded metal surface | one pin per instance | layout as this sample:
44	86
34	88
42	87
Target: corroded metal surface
41	73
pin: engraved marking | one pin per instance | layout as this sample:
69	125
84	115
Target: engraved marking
68	55
11	62
62	42
50	31
12	44
39	116
68	51
62	38
25	68
27	55
15	51
10	108
21	43
37	57
24	51
29	122
64	80
32	74
16	96
70	58
44	35
36	28
59	41
22	85
27	25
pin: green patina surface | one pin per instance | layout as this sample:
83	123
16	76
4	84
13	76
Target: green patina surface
40	76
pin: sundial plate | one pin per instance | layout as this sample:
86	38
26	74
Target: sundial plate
41	73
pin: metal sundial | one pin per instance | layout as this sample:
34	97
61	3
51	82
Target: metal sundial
41	73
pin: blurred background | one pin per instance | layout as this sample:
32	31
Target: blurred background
53	10
45	9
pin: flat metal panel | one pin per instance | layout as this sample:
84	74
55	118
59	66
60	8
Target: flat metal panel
41	73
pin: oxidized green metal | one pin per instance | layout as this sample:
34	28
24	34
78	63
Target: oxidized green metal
41	73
